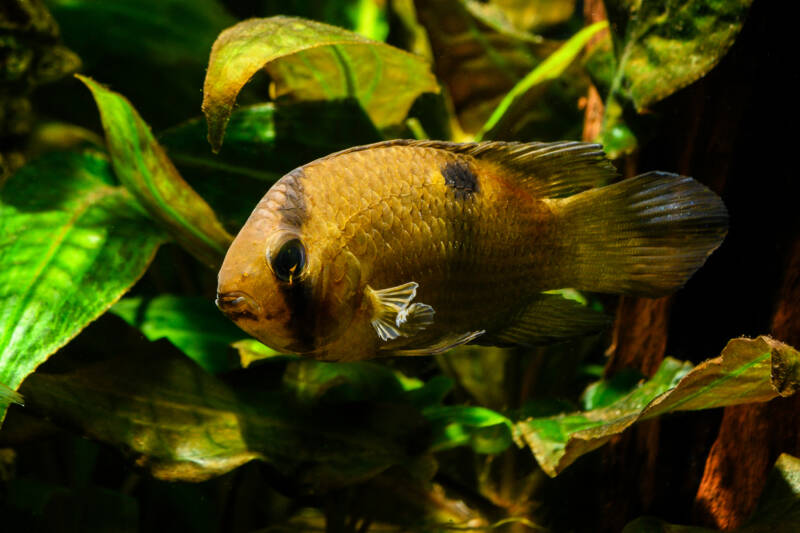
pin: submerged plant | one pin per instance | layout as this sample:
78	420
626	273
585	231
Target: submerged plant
110	247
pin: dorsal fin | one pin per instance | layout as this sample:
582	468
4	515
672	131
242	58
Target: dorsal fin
547	170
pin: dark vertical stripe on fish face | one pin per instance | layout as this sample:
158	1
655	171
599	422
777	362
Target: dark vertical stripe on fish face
293	211
459	176
299	297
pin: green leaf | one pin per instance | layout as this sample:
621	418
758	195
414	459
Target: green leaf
263	142
432	392
183	424
605	392
486	431
664	45
778	508
192	324
309	60
251	350
368	17
748	370
156	49
71	243
144	168
549	69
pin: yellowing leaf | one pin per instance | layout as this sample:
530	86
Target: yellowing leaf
748	370
143	167
183	424
309	60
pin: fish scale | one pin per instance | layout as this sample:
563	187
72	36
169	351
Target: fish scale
449	250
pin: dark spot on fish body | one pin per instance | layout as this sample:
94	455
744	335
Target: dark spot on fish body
293	211
299	296
460	178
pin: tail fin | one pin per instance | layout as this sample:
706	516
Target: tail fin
644	236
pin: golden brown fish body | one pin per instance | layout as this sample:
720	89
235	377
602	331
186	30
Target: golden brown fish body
410	248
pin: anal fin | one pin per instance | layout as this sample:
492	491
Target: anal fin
442	345
393	313
547	319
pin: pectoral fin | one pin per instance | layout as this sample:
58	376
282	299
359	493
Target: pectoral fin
393	313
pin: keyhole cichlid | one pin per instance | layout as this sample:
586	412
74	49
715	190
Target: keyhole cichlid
414	247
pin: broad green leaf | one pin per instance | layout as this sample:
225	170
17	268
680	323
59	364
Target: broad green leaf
664	45
182	423
71	243
748	370
144	168
309	60
263	142
778	508
190	323
486	431
549	69
156	50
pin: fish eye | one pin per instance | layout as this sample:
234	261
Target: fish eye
290	260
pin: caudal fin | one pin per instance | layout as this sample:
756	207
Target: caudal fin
644	236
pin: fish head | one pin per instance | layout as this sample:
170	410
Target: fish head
280	280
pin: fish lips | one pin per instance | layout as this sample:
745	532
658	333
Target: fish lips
238	305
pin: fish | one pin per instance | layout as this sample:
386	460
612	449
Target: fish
409	248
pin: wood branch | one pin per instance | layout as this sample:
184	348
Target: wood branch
640	335
752	437
593	11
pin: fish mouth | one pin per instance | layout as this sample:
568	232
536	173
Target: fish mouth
237	304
